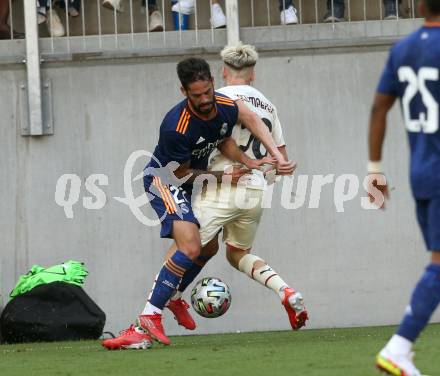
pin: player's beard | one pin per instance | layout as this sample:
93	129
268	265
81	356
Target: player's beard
203	108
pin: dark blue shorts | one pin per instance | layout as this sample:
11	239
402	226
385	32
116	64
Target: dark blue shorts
428	215
170	204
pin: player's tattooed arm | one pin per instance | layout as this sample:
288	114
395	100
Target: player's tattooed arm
184	171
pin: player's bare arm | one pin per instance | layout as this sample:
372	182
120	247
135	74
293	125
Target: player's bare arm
256	126
283	152
272	161
378	121
230	150
185	170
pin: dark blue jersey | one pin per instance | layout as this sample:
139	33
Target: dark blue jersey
412	74
184	137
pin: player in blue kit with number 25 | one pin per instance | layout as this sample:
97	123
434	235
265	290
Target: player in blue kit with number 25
412	74
190	131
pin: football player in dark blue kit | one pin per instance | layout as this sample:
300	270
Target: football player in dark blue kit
412	74
190	131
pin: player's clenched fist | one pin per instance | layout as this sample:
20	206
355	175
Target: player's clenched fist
286	167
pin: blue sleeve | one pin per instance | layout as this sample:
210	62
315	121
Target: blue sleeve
232	118
175	146
389	81
234	115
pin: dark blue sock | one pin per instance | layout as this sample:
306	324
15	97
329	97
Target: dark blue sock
424	301
169	278
193	272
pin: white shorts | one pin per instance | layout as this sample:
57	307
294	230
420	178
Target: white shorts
237	213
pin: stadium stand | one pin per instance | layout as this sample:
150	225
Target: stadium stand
88	17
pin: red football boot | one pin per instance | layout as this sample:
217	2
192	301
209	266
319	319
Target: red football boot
293	302
180	310
131	338
153	325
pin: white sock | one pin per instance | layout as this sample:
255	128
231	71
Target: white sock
150	309
399	345
269	278
264	275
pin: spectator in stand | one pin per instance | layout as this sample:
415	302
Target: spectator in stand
5	29
337	14
182	9
155	17
287	13
49	16
187	7
73	7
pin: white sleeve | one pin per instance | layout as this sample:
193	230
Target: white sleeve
277	131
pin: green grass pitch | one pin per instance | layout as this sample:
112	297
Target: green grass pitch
329	352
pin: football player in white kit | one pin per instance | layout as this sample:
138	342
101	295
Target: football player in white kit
226	208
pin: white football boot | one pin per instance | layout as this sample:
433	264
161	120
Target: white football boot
397	364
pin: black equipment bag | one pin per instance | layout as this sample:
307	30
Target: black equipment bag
56	311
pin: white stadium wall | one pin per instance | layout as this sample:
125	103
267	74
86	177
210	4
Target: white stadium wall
354	268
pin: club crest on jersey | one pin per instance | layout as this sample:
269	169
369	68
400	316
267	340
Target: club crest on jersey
223	129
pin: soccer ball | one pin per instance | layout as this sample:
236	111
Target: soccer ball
210	297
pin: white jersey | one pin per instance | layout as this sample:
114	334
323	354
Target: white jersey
216	212
264	108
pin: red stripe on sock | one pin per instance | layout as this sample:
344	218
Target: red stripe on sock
252	273
267	280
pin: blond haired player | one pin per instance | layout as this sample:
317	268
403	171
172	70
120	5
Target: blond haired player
226	207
